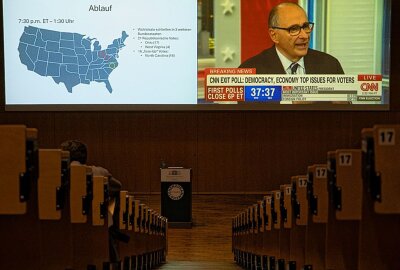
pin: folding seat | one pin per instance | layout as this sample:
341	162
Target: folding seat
344	214
300	215
317	193
380	224
18	198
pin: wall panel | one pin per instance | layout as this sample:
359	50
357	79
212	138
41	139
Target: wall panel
173	138
85	126
126	147
228	151
221	152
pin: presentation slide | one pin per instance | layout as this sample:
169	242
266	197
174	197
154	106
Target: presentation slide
100	52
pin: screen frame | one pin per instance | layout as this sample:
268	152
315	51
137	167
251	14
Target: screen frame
321	106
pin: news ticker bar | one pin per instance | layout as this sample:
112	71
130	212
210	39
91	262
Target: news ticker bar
220	86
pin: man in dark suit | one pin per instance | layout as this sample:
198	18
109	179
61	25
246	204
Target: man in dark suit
290	30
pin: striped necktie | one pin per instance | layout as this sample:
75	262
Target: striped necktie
293	68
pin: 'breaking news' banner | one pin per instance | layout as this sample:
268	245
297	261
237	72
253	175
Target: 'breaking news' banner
230	84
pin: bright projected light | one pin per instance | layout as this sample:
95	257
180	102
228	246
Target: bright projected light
196	55
100	52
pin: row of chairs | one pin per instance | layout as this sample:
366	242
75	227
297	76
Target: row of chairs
55	215
341	215
147	230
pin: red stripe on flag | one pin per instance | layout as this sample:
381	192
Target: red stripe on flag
254	26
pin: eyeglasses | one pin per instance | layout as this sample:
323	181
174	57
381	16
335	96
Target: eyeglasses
295	29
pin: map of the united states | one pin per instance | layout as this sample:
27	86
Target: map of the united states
70	58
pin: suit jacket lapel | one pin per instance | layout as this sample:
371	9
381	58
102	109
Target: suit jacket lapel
310	64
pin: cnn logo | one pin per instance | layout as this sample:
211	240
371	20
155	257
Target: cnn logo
369	87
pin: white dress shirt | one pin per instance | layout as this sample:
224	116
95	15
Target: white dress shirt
286	64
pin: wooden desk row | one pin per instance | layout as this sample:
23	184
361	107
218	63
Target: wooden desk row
340	215
54	215
147	230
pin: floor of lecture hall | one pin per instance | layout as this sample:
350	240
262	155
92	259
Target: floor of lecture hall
208	245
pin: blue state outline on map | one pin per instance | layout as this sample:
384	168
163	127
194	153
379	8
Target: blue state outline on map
69	58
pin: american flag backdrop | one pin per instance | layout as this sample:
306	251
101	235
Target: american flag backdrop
254	25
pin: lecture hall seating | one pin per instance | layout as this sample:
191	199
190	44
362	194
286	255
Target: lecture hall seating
19	225
54	215
342	215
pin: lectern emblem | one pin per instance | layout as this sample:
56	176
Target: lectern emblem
175	192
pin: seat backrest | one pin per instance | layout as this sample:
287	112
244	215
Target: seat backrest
277	209
51	195
15	141
81	192
100	200
268	212
387	152
287	204
349	184
318	198
300	207
123	211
